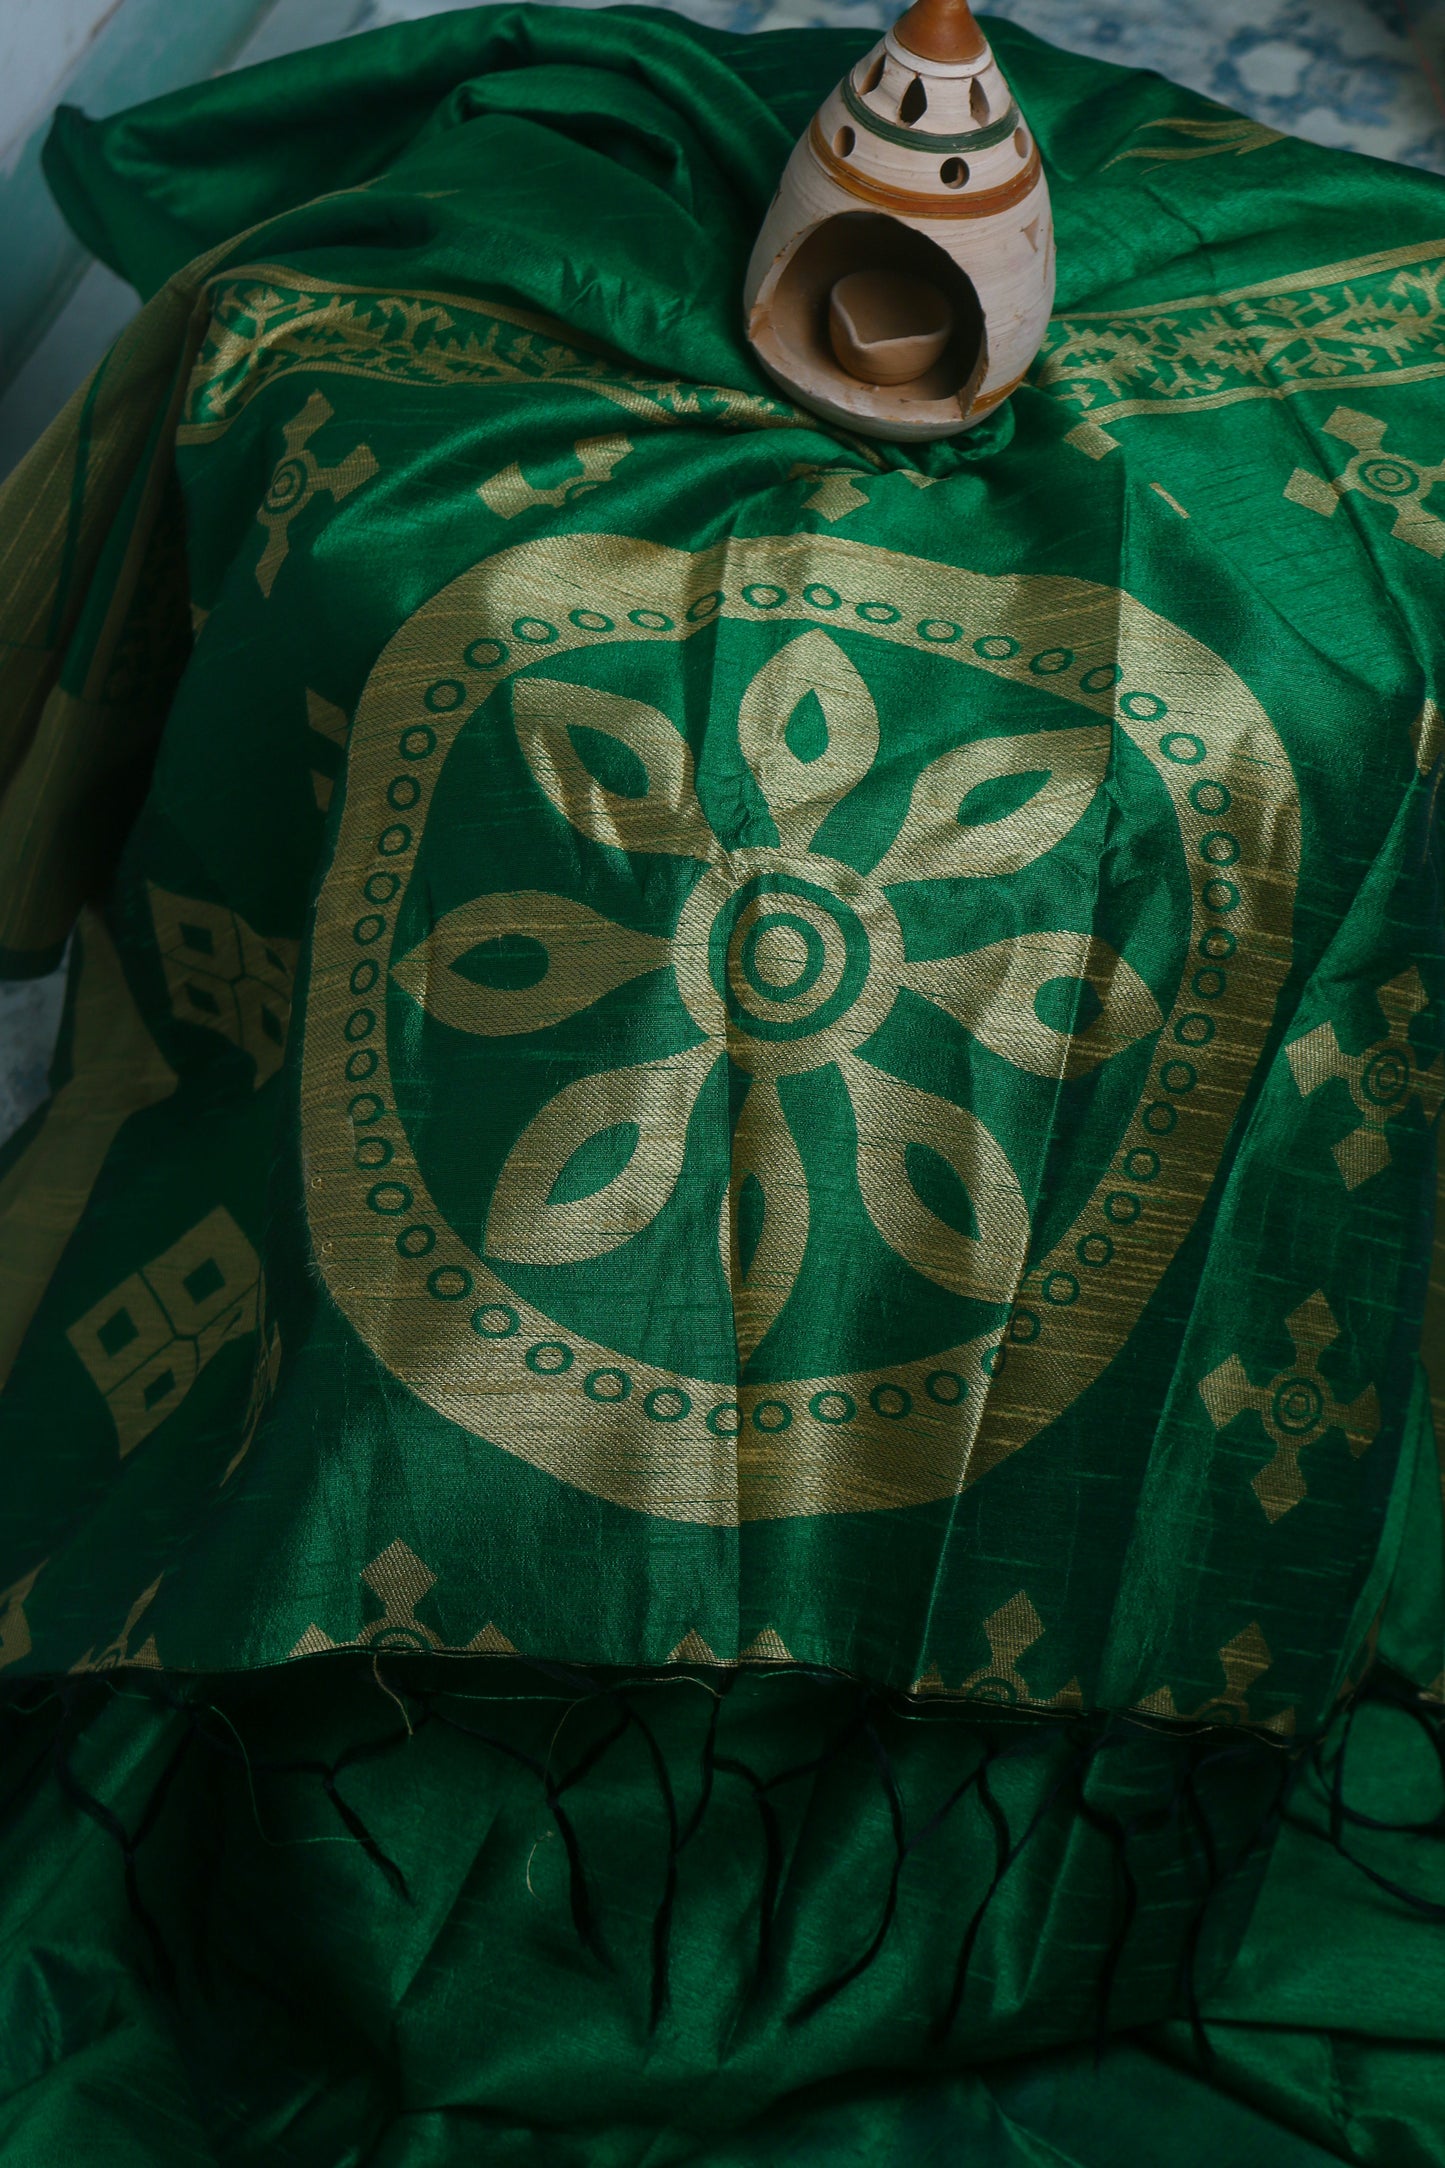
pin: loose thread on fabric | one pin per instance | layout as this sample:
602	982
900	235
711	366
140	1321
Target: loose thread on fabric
1006	1851
629	1717
662	1917
709	1758
859	1723
578	1894
1123	1905
1328	1759
1003	1855
1194	1939
772	1881
130	1841
898	1824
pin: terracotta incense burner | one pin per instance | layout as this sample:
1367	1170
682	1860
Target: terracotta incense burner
905	270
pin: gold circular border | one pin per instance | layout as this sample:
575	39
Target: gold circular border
919	1430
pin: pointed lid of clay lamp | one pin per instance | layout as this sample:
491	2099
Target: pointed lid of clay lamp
941	30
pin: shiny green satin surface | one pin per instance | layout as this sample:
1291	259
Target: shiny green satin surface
318	2015
710	1386
732	1044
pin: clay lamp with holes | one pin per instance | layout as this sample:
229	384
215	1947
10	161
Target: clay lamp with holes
904	274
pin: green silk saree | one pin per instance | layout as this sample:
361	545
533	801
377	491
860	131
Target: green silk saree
714	1438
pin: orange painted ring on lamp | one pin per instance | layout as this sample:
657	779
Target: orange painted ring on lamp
986	401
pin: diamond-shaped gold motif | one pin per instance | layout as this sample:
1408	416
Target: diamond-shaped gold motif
837	494
149	1339
1297	1406
1383	1081
333	725
1427	742
224	976
264	1380
1427	737
400	1580
327	719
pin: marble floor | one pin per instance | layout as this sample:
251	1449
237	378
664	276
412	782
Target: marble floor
1361	75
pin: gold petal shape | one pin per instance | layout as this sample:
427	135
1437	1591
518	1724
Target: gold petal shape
587	955
993	990
664	817
526	1226
764	1153
933	844
801	792
892	1115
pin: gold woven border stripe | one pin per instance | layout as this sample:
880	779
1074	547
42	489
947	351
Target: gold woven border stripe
1377	320
1330	274
1377	379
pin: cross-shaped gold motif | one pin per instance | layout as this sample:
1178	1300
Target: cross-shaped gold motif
118	1655
1010	1632
1383	1081
399	1579
1384	477
297	478
14	1625
1242	1660
1297	1406
508	492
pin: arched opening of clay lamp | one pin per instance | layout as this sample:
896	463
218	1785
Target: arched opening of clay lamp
905	331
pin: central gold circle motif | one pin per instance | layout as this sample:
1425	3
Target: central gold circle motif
793	958
781	956
785	958
287	486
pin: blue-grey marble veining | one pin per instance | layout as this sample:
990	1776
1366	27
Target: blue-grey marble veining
1347	73
29	1019
1354	74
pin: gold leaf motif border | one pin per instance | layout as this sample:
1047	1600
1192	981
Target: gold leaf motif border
1374	319
267	321
691	1449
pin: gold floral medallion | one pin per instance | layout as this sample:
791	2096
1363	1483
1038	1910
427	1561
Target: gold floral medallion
776	1012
